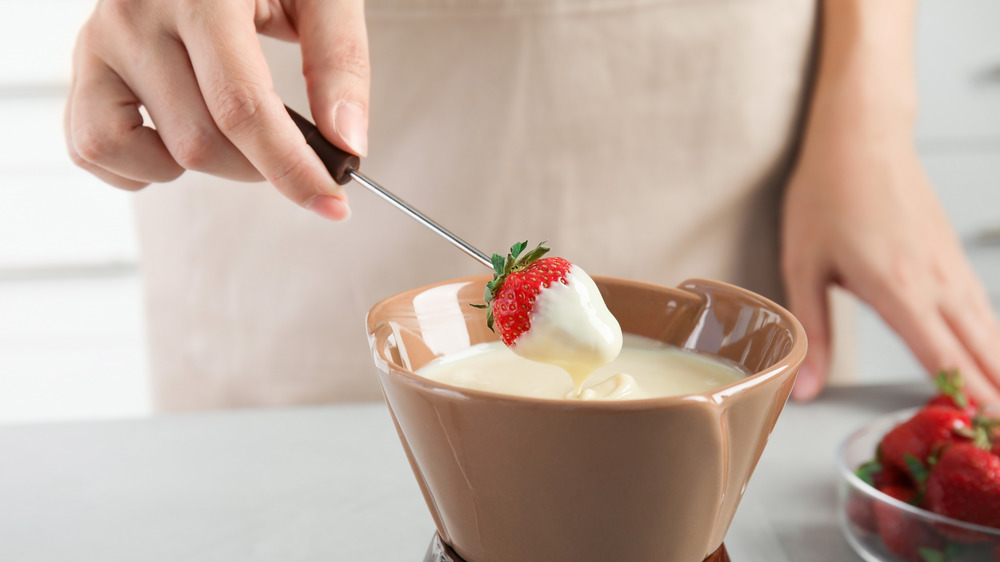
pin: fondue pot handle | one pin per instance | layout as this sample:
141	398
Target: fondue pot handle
340	164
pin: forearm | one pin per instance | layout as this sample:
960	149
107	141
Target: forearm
865	82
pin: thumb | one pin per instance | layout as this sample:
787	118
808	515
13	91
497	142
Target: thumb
337	70
807	301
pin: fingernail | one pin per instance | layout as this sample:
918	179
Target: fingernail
352	126
329	207
805	384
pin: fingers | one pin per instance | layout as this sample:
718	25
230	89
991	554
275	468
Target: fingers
807	301
101	174
235	82
970	317
198	70
939	339
169	90
105	134
336	66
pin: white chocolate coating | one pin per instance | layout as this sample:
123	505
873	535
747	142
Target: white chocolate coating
571	327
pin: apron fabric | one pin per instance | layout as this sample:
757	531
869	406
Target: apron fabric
641	139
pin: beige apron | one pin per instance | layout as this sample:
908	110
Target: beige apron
643	139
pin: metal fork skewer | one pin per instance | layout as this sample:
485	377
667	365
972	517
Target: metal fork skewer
343	167
421	218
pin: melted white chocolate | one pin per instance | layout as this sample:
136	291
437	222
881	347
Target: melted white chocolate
645	368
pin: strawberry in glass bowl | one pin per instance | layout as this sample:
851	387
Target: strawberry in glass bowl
923	484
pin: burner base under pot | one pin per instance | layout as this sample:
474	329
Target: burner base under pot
441	552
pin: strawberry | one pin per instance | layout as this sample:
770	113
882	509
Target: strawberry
859	505
914	440
964	484
902	534
518	280
549	310
950	393
875	474
860	511
890	476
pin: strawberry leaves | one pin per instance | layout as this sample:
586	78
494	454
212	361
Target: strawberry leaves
953	551
919	473
516	260
867	472
983	430
950	383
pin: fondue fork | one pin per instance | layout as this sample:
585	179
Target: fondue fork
344	167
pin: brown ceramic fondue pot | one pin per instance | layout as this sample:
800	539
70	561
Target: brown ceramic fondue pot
524	479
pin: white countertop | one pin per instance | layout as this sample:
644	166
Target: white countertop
333	484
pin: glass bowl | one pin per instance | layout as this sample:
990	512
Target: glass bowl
881	528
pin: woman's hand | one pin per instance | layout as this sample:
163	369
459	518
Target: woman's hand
197	68
860	212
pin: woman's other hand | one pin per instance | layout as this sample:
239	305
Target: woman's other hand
860	212
863	215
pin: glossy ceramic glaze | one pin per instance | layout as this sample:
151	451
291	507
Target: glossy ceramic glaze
509	478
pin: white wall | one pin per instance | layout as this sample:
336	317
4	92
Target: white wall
71	340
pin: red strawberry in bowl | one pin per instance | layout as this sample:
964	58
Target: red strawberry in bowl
549	310
902	534
859	505
891	476
964	484
909	445
942	460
